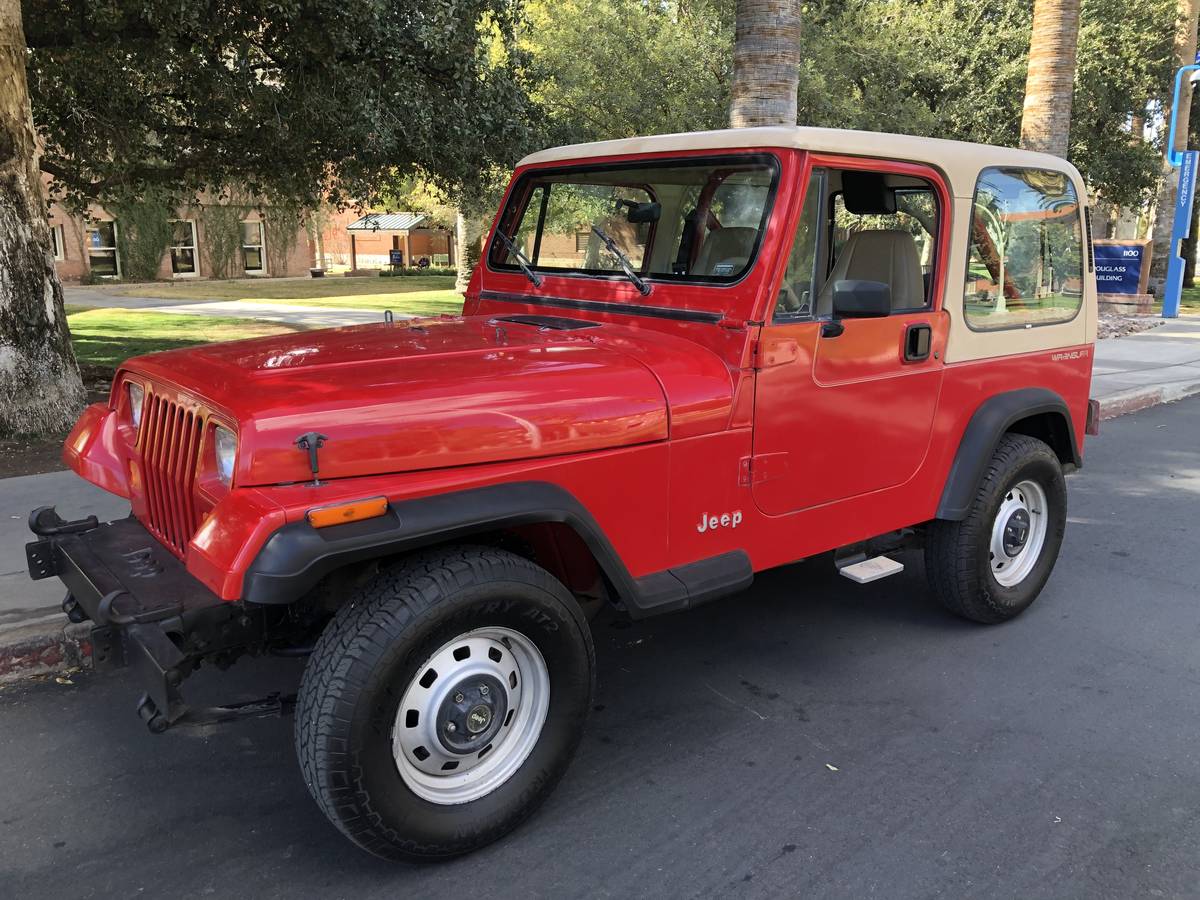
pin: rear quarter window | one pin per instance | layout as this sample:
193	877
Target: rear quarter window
1026	262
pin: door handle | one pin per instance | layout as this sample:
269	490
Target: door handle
832	329
918	341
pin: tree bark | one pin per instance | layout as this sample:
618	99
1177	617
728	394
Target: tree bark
766	60
1188	11
1050	80
40	388
468	234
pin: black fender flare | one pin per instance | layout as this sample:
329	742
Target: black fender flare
297	556
990	421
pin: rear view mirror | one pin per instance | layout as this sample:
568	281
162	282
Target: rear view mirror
861	299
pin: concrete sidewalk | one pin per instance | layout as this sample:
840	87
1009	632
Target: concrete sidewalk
32	638
1130	373
1148	368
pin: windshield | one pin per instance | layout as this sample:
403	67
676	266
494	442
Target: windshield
683	220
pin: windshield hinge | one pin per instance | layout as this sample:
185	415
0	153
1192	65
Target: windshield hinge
762	467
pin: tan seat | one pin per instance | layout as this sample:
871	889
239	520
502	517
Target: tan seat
878	255
725	251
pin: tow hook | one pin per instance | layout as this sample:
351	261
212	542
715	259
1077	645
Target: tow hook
274	705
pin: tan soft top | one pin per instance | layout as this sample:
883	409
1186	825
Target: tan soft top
960	161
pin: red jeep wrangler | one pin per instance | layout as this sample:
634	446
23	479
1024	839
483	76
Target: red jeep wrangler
681	360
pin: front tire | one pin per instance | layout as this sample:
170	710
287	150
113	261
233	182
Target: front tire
993	564
443	702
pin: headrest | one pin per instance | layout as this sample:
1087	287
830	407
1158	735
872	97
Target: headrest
867	194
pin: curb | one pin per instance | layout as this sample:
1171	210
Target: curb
1137	399
43	648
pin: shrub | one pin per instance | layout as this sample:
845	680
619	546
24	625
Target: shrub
431	270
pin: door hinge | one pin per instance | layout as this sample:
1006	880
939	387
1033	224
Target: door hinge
762	467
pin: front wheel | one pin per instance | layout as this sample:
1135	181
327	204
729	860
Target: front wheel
443	703
992	565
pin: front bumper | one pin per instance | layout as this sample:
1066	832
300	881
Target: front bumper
147	611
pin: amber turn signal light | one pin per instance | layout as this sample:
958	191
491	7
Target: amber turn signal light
341	513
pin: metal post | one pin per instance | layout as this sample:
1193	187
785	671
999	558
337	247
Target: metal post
1185	161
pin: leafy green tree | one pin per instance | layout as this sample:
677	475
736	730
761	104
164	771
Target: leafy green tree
618	68
296	98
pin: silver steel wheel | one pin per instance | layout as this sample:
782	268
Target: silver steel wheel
1018	533
471	716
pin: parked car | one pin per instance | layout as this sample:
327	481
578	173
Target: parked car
682	360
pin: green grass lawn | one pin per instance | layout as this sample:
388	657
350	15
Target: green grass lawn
104	338
422	295
1190	300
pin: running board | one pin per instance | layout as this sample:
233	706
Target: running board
868	570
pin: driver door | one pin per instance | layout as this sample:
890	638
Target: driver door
845	406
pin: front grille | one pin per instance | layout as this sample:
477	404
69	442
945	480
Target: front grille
170	443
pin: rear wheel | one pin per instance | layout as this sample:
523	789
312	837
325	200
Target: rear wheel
443	702
992	565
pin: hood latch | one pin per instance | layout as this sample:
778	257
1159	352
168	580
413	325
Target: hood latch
311	443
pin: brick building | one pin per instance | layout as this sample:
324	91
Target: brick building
88	246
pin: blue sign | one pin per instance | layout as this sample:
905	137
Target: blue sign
1183	225
395	257
1119	267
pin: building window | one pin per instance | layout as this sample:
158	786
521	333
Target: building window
1026	262
252	247
56	242
183	248
103	259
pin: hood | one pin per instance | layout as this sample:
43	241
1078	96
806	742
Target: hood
400	397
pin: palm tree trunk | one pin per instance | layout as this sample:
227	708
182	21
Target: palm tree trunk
766	60
40	387
469	228
1188	12
1050	81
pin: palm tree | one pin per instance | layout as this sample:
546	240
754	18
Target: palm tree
40	388
1046	116
766	60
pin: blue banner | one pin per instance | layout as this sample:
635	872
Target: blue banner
1119	267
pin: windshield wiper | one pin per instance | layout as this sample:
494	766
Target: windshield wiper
522	260
626	265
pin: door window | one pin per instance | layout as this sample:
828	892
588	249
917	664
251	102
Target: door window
1026	262
915	215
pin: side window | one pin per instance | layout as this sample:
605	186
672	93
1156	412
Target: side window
802	278
1026	262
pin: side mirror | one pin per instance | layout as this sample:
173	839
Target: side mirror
861	299
639	213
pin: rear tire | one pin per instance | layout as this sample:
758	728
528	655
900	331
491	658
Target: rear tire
992	565
443	702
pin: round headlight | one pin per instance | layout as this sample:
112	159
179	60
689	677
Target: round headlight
137	397
225	442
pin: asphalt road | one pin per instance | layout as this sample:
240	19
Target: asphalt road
810	738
